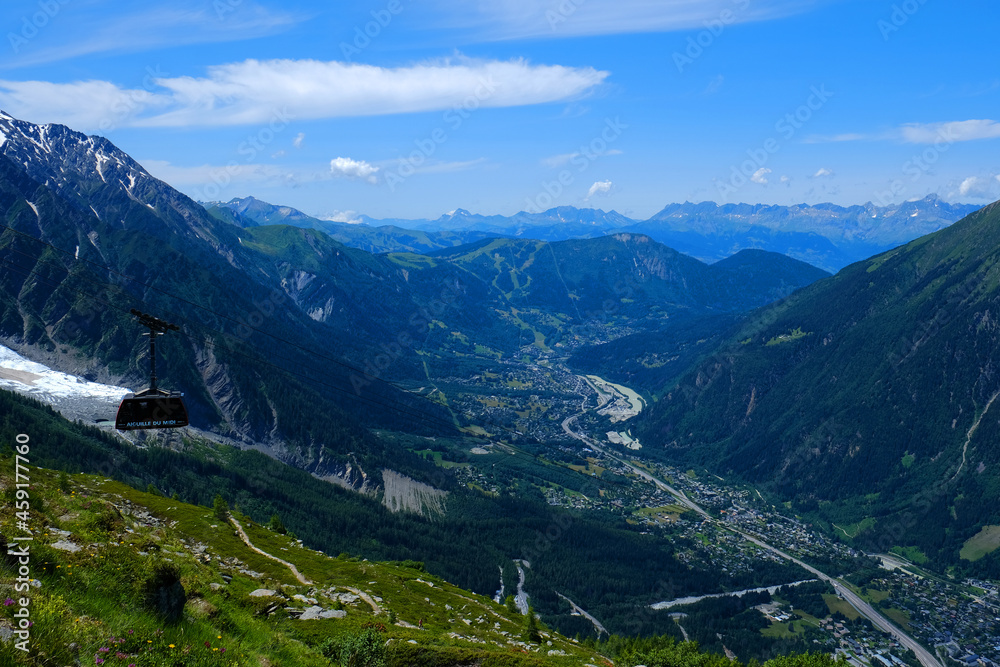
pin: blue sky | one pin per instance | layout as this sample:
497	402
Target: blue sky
406	108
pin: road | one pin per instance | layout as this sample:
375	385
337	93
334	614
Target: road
878	620
681	498
577	609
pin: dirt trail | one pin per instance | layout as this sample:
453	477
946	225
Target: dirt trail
246	540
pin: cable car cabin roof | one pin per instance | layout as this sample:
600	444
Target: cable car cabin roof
148	410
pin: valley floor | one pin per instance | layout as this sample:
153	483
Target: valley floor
734	529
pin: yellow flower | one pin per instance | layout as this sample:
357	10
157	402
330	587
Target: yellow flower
171	646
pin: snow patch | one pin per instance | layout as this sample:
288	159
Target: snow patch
39	381
101	159
35	209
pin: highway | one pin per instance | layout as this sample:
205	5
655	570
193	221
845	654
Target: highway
926	658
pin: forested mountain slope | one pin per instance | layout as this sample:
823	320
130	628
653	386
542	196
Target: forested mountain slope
867	397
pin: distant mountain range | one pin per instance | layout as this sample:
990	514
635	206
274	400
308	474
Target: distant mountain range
869	398
827	236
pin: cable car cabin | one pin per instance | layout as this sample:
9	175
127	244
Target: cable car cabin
151	409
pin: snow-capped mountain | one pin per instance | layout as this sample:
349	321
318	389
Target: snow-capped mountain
99	179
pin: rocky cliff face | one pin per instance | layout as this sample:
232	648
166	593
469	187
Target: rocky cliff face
403	494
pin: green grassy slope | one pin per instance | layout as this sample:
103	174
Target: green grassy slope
117	590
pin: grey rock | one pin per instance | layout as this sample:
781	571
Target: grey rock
263	592
65	545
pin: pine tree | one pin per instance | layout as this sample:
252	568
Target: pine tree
530	633
275	524
221	508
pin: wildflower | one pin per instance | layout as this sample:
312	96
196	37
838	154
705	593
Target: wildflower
171	645
99	661
103	650
8	602
207	644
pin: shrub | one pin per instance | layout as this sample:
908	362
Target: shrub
161	589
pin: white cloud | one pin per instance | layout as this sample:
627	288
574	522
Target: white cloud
349	217
517	19
345	167
850	136
969	185
219	182
980	187
963	130
299	138
760	176
822	173
600	187
91	105
785	180
94	27
923	133
258	92
448	167
555	161
558	160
